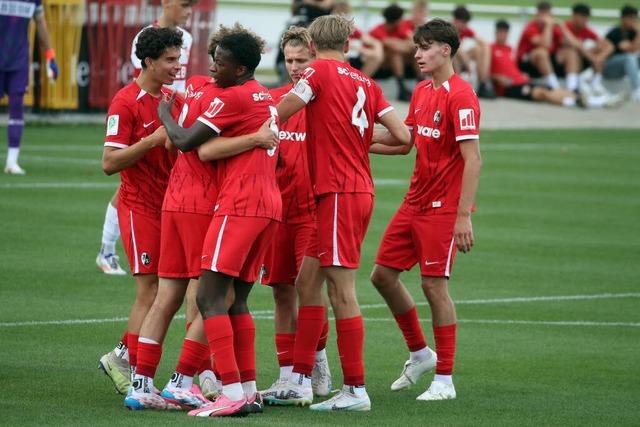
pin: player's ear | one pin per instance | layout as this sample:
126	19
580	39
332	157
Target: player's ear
312	48
446	49
345	48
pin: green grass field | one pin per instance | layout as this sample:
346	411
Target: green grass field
557	229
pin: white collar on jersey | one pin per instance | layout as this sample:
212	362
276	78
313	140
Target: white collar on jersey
141	94
446	86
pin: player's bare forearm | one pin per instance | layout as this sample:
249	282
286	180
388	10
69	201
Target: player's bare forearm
398	133
470	150
43	32
115	160
223	147
463	230
186	139
387	150
290	105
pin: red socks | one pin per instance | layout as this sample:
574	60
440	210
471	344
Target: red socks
132	343
244	336
445	337
192	356
124	338
322	343
284	348
311	320
411	330
220	337
351	347
148	358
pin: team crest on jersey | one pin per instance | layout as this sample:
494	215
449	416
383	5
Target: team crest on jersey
467	119
145	258
112	124
436	117
214	108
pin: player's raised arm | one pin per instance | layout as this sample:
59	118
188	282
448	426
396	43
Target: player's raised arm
223	147
185	139
290	104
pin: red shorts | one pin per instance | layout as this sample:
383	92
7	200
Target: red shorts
283	260
343	219
140	236
181	238
236	245
424	239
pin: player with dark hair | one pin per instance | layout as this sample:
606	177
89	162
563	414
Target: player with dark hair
186	214
175	14
134	146
435	216
245	217
15	64
284	259
395	35
479	53
342	105
592	49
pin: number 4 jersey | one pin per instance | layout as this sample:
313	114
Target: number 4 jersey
342	106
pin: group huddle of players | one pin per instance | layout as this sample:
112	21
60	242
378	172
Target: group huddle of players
231	182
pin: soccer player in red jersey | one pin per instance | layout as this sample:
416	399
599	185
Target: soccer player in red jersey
513	83
284	259
395	35
245	218
342	105
175	14
186	213
592	49
435	216
479	52
134	146
540	50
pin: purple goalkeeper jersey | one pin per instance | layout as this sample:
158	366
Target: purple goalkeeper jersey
14	25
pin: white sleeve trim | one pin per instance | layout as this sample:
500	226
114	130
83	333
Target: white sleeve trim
385	111
303	91
409	127
470	136
115	144
211	125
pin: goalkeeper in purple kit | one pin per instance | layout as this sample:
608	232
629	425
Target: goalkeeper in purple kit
15	16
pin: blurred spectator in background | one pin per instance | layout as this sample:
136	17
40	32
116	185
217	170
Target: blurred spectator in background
15	60
365	53
510	82
592	49
303	12
478	53
625	42
396	36
419	15
540	52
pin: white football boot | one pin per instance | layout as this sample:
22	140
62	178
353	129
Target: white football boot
412	371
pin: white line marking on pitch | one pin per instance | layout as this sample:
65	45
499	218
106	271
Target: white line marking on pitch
268	314
55	185
528	299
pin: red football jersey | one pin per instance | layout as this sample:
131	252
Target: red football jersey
439	119
583	34
532	29
403	31
294	180
193	186
503	63
133	115
248	185
467	32
342	107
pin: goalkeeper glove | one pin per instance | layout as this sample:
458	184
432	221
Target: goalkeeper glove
52	66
